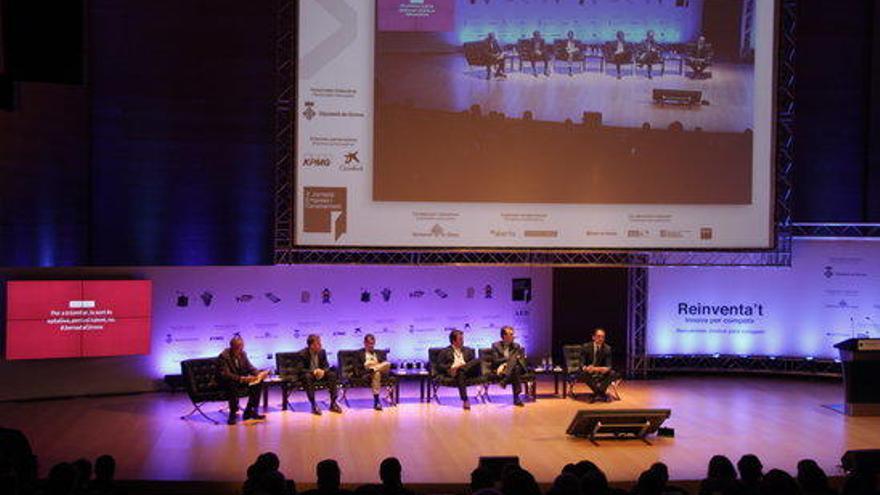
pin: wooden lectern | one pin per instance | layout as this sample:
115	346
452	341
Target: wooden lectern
861	369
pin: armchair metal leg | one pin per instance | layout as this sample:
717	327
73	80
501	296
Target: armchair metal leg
434	395
196	407
345	395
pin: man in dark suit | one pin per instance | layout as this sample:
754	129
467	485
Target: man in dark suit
699	57
496	56
509	362
596	369
619	51
316	369
239	377
459	363
373	364
538	51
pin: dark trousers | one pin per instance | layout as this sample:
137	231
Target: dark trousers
619	59
598	382
543	57
471	369
329	379
513	372
236	390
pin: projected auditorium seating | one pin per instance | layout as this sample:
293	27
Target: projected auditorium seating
529	380
202	386
571	355
438	380
350	377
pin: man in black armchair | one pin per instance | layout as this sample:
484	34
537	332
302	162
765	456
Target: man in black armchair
619	51
459	363
316	369
596	370
509	362
372	363
495	54
538	51
238	376
699	57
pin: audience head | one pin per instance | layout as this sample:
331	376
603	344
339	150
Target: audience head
566	484
676	126
314	342
662	471
481	478
594	481
721	468
778	482
62	479
750	469
268	461
456	338
528	115
83	471
105	468
329	475
811	477
517	481
390	472
649	483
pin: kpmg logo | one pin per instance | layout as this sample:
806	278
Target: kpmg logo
309	113
316	161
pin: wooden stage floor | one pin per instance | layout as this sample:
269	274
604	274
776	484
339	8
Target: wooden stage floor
781	421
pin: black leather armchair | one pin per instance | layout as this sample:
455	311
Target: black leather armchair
529	379
572	366
353	375
477	55
200	377
439	380
561	54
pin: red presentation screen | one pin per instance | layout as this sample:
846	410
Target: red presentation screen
77	318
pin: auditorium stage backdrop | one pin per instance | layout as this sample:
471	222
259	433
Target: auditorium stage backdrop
197	310
830	293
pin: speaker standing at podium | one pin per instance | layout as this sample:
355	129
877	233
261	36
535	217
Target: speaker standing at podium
596	369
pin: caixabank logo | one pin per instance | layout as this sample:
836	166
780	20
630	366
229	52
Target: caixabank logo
325	210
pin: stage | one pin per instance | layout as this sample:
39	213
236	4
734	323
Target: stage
780	420
455	86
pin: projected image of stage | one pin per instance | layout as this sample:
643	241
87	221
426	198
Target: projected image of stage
603	103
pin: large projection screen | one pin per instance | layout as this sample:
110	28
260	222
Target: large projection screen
535	124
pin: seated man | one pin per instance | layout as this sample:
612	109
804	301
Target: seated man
619	51
238	377
538	51
699	58
316	370
571	50
596	369
649	53
509	361
374	365
496	57
459	363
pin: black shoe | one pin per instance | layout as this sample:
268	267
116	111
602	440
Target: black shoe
591	399
334	407
466	405
315	410
253	415
232	419
518	402
377	406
